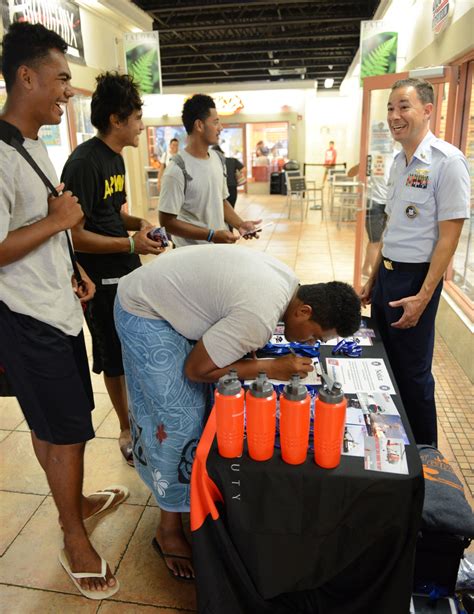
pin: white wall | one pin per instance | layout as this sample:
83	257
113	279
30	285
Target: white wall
333	117
418	45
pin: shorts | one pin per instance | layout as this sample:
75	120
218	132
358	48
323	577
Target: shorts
49	374
106	348
375	219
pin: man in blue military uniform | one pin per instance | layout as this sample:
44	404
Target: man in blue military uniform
427	202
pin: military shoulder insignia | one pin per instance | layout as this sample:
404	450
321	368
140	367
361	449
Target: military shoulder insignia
411	211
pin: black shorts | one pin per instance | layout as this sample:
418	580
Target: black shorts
49	375
106	348
375	219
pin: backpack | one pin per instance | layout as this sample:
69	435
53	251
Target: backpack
179	161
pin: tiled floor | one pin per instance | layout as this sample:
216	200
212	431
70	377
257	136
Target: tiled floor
31	579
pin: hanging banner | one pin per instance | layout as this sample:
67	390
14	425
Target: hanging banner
378	49
142	60
61	16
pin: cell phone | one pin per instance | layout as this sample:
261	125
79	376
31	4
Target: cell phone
259	229
158	234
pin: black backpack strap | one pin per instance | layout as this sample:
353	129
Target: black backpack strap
13	137
179	161
222	159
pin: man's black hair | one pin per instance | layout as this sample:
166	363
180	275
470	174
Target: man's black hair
114	94
27	44
335	306
174	140
197	107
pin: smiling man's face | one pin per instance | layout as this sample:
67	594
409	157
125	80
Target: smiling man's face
408	117
51	87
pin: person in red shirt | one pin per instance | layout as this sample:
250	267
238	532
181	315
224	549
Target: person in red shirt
330	158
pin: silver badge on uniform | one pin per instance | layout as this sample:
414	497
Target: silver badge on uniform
411	211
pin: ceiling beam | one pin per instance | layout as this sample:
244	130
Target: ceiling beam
335	60
206	71
351	48
232	25
263	76
190	7
269	39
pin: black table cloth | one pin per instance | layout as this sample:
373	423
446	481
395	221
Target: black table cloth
274	538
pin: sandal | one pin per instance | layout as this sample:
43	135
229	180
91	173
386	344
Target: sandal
127	451
75	576
111	502
164	555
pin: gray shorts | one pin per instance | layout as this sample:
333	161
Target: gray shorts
375	219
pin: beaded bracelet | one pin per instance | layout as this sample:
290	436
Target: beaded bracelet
132	245
210	235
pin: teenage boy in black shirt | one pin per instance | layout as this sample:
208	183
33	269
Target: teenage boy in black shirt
95	172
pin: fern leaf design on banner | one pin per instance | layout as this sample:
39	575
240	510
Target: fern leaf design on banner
381	59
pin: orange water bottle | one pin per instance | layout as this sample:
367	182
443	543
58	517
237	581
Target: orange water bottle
229	401
294	421
329	421
261	418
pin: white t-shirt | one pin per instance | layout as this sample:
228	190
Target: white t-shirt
379	183
203	203
166	157
39	284
231	297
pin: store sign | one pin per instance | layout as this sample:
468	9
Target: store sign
61	16
442	13
142	59
228	104
379	46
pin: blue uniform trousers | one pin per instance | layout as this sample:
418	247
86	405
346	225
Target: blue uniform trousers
410	351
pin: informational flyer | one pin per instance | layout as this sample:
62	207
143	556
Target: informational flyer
360	374
353	440
381	454
377	403
390	427
354	413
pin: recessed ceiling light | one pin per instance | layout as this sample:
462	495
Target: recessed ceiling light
328	83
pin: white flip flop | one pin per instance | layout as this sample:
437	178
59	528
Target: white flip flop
75	576
109	504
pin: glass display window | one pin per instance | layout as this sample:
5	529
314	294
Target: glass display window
267	148
158	140
82	127
460	275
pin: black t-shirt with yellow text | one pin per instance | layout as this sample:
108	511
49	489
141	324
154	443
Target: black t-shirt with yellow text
96	175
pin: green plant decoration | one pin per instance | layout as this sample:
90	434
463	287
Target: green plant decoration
382	60
143	69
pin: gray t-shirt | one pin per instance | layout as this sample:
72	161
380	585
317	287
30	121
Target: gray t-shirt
231	297
39	284
203	203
